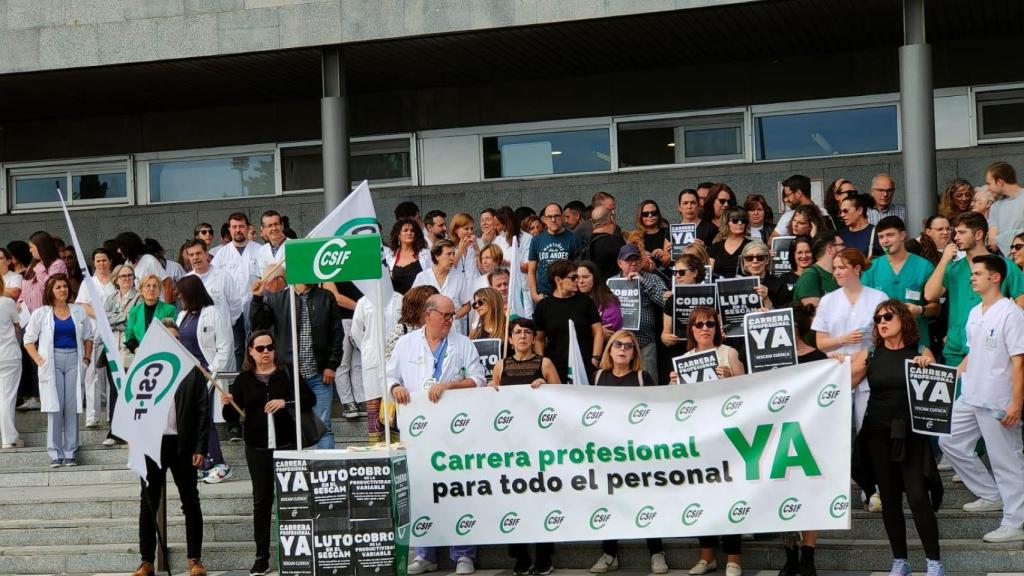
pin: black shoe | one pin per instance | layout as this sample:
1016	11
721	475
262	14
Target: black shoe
522	567
260	568
234	433
542	570
807	561
792	566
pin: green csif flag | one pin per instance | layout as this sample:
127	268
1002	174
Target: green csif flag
316	260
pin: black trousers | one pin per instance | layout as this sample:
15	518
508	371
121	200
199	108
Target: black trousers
28	386
180	465
261	470
731	544
904	477
611	547
543	550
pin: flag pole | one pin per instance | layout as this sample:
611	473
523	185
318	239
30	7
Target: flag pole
382	371
295	369
212	379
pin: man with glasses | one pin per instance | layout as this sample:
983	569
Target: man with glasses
425	364
882	191
272	228
818	280
552	317
689	211
653	294
796	191
553	244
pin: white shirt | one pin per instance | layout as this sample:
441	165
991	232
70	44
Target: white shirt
148	264
456	286
835	317
412	362
12	279
265	257
103	290
367	337
9	346
224	292
174	271
242	267
782	228
993	337
424	258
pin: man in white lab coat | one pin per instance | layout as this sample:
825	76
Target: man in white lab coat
239	260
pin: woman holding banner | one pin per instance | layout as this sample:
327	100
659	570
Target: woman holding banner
801	257
898	459
621	366
754	262
687	269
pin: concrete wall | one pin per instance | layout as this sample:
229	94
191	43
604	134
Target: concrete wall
53	34
172	224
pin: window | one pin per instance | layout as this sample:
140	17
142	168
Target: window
35	185
691	139
189	179
568	152
384	161
1000	114
826	133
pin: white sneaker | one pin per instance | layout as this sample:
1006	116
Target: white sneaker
464	566
983	505
1004	534
733	569
92	423
658	564
30	404
875	503
944	464
218	473
420	565
605	564
703	567
109	442
956	478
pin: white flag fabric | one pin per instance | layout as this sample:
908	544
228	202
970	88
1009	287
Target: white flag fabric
356	215
577	368
102	324
161	363
516	291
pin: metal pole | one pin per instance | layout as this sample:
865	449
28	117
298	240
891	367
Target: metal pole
295	369
334	129
918	117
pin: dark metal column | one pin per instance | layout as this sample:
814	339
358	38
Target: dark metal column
918	117
334	128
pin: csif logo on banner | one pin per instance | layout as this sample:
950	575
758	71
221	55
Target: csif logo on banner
692	514
789	508
421	526
546	418
639	413
839	506
685	410
828	395
731	405
459	423
778	401
417	425
739	511
465	524
645	516
502	420
159	371
554	520
330	259
509	522
591	415
599	518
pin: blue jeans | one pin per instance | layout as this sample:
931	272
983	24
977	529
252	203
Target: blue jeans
456	553
62	425
324	399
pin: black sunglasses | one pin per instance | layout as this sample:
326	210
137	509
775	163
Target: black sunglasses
623	345
887	316
477	304
708	324
755	258
261	349
738	220
682	271
650	213
722	200
1016	247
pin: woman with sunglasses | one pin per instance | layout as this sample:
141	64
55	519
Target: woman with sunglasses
897	458
857	232
591	284
720	197
835	194
801	257
1017	250
490	307
264	390
621	365
653	230
754	262
956	198
762	219
687	269
729	243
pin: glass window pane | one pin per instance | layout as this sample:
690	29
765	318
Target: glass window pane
1001	114
547	153
302	168
211	178
99	186
827	133
38	189
681	140
646	145
381	161
709	142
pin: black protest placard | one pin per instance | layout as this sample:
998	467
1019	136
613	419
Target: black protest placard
699	367
781	246
681	235
737	297
328	481
489	350
930	391
294	495
686	298
369	489
295	547
375	550
770	339
333	546
628	293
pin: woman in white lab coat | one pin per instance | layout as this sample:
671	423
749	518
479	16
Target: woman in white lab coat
59	340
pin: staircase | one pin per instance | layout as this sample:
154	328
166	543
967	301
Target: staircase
84	520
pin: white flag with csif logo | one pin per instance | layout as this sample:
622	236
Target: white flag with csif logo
577	366
767	452
161	363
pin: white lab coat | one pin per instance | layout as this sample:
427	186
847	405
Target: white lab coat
104	291
412	362
224	292
242	268
39	331
215	339
367	337
265	257
424	257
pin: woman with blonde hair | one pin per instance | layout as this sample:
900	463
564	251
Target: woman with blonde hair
489	305
956	198
731	239
463	234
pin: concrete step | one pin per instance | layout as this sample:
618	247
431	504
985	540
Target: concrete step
116	558
953	525
116	530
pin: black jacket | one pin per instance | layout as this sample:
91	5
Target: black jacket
192	408
271	313
252	395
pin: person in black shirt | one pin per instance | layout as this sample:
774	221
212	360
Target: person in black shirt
898	459
729	243
552	316
654	228
754	262
621	366
689	211
604	245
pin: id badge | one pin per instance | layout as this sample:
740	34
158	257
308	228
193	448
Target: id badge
990	343
912	294
428	383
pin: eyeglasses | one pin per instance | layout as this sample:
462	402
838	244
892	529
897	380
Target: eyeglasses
447	316
682	271
740	220
887	316
572	277
205	231
1016	247
650	214
623	345
478	303
722	200
262	349
755	258
126	275
552	216
884	190
711	324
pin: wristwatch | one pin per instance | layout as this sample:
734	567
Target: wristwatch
596	357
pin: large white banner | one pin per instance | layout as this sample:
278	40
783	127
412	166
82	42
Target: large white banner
760	453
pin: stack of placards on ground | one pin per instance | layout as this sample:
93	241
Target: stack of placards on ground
342	512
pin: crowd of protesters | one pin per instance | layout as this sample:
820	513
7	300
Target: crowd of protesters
859	286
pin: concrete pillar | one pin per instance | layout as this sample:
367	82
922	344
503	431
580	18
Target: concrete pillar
918	117
334	129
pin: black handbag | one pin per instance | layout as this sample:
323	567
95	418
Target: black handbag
313	428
